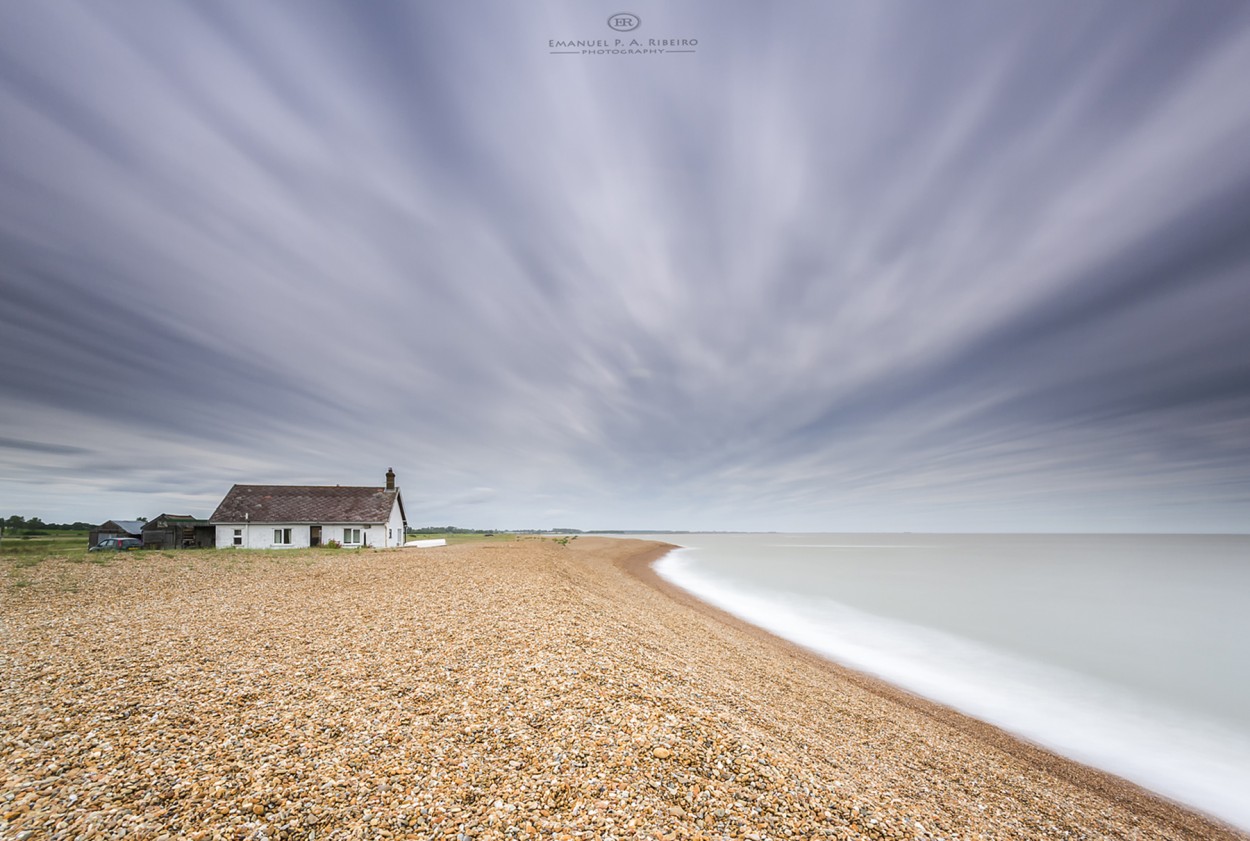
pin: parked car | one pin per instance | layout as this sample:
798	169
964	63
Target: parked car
117	544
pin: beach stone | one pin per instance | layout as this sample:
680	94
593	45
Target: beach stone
494	691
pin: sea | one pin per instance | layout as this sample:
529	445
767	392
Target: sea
1129	653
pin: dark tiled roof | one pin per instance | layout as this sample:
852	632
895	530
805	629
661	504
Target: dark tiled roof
305	504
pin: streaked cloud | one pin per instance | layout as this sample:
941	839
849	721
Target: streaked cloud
849	266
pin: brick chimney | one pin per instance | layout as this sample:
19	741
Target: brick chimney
390	479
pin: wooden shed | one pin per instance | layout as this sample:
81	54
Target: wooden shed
178	531
115	528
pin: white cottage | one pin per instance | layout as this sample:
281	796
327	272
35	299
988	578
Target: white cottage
299	516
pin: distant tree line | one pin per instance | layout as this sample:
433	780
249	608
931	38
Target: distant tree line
447	530
459	530
18	523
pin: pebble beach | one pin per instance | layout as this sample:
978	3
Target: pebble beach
522	689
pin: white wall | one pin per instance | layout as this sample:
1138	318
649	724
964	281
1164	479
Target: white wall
395	526
371	534
260	535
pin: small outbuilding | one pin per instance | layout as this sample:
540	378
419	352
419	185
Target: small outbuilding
115	528
299	516
177	531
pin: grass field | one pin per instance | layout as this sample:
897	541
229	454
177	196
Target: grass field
53	543
453	538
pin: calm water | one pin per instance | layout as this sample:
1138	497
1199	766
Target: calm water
1127	652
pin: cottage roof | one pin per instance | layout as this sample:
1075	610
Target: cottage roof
306	504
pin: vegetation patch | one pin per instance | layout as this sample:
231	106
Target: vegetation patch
454	535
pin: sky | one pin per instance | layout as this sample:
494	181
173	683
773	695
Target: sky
834	266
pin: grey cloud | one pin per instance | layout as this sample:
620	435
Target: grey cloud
41	447
847	265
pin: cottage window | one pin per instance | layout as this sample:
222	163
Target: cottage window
351	536
282	537
238	537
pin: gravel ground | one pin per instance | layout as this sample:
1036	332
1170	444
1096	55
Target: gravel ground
515	690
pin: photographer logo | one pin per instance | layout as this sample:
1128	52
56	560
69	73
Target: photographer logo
624	22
